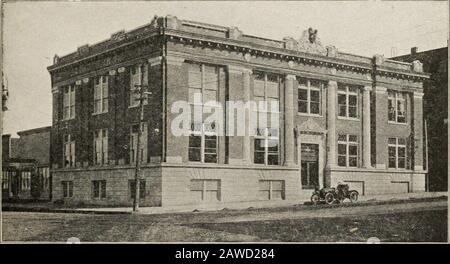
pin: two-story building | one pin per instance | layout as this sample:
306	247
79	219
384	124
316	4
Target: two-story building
25	165
334	117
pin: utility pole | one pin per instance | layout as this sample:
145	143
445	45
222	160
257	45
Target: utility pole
137	175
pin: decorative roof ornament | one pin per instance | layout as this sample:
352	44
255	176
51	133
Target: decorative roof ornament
417	66
310	43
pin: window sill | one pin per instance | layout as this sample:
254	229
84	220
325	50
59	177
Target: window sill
398	169
67	119
396	123
348	167
310	115
99	113
348	118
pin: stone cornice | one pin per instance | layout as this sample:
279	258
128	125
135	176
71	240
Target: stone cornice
176	31
89	56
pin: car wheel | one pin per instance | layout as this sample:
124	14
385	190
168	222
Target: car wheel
315	198
329	198
354	196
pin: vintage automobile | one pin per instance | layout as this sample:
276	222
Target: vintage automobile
334	195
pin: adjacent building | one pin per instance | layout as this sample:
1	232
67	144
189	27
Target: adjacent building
340	118
435	111
25	165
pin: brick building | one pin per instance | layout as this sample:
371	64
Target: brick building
435	110
341	117
25	165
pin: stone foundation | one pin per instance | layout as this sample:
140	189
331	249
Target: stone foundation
372	181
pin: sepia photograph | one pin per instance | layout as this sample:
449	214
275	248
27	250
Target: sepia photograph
224	122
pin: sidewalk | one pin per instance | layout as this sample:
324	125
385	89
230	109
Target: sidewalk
367	199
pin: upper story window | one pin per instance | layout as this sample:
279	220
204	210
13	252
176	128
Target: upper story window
69	151
101	147
348	101
397	153
348	150
69	102
134	130
203	83
266	87
101	94
266	146
138	74
203	143
396	107
309	96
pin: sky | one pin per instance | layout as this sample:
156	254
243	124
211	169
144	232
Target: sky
33	32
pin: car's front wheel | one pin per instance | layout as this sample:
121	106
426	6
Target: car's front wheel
315	198
329	198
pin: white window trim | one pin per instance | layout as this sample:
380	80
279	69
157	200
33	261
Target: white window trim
70	94
133	89
104	147
308	88
71	144
347	93
397	98
397	145
202	133
266	139
100	86
347	144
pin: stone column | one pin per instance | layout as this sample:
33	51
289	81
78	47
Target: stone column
418	131
289	142
239	90
380	116
331	120
366	127
246	146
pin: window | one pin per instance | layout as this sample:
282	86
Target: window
101	146
348	101
309	96
44	175
101	94
266	146
136	75
203	143
203	81
205	190
67	187
69	151
396	107
143	142
397	153
271	190
99	189
69	102
266	87
25	180
348	151
5	180
132	186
